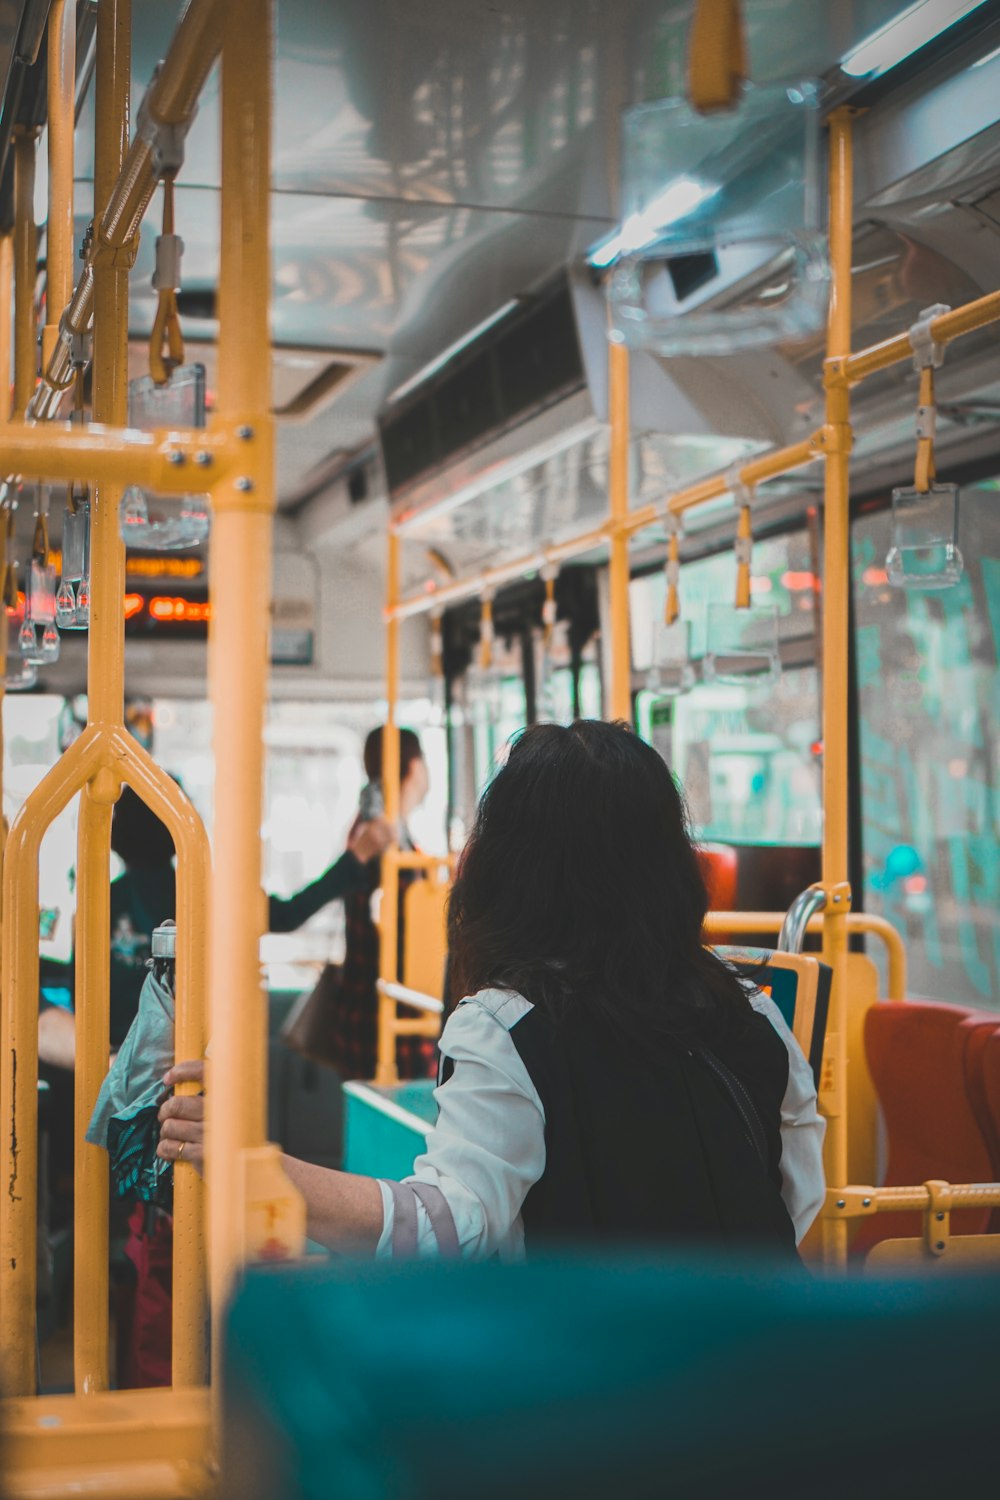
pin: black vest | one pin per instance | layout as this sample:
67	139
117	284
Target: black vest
649	1145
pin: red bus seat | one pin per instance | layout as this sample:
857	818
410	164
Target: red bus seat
976	1032
989	1072
916	1057
719	869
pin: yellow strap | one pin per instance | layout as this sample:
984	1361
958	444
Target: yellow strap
167	323
486	635
924	471
744	538
40	540
717	55
550	598
673	606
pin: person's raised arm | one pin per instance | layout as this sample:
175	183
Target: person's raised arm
348	873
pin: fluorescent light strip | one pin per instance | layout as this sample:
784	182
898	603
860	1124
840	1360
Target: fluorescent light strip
990	56
449	354
911	30
679	199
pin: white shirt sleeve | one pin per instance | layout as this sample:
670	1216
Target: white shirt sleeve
488	1146
803	1180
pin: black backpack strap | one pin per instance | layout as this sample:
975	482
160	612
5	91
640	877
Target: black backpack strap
741	1100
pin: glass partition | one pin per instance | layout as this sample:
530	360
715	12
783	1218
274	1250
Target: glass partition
747	754
929	705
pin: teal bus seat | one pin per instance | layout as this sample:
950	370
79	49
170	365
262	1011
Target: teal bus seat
386	1128
799	985
597	1376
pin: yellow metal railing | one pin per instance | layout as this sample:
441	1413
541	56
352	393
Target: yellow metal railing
94	767
249	1202
767	923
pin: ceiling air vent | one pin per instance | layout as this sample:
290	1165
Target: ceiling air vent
523	362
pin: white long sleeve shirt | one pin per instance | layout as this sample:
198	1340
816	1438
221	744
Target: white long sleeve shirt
487	1148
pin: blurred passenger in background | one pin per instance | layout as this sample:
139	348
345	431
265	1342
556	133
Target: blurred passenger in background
606	1075
355	1014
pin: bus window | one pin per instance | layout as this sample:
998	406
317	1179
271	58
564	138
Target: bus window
313	781
31	743
929	701
747	756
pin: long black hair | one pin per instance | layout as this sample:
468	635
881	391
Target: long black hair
137	836
580	889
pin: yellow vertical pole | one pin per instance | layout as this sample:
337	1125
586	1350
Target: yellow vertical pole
93	980
241	596
59	231
6	331
25	263
105	707
618	571
6	325
385	1069
836	586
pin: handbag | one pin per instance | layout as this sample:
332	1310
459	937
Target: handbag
309	1027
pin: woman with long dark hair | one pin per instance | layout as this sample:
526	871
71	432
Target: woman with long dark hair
605	1075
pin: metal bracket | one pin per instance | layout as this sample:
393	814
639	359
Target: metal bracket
927	352
744	550
166	142
167	275
742	493
937	1217
118	257
850	1202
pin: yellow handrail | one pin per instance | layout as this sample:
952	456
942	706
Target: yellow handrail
25	260
170	101
385	1059
95	766
244	1174
61	113
620	686
752	922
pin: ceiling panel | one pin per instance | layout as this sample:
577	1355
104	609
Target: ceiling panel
352	273
433	160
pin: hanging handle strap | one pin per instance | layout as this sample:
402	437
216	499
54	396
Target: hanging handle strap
928	356
486	633
672	608
925	469
717	55
549	612
166	283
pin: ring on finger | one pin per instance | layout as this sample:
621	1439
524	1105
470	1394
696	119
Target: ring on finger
180	1149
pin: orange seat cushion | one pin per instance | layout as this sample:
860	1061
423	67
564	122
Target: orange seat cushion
916	1057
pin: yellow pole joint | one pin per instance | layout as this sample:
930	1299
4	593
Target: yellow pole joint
838	897
107	256
850	1202
247	484
937	1217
